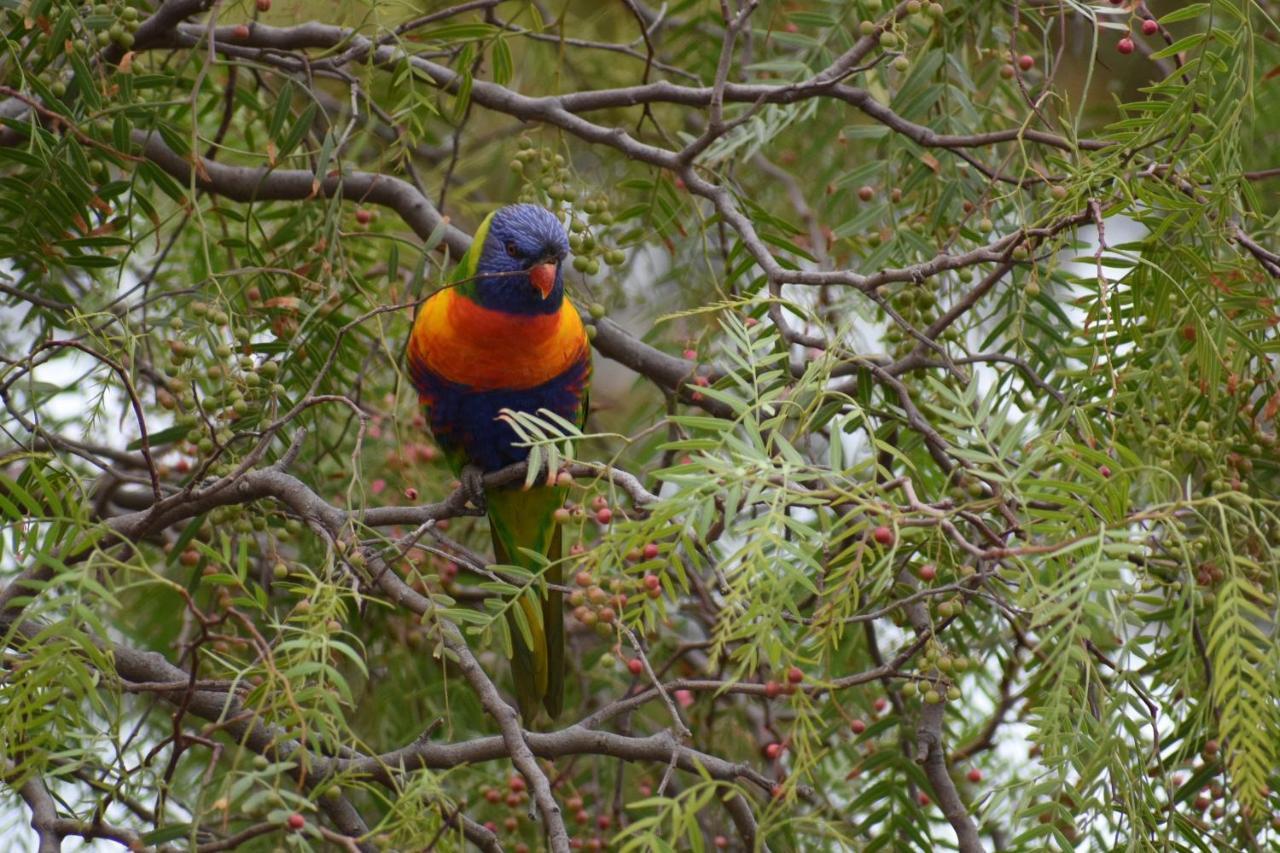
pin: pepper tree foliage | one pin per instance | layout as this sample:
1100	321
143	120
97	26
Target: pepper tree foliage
940	507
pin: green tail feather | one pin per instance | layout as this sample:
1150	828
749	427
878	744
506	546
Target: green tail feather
526	519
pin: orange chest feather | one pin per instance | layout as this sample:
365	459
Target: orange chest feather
465	343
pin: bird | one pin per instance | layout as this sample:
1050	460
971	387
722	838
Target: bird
503	335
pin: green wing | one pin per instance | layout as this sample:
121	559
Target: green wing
463	275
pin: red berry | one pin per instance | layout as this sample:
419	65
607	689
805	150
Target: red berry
883	535
516	783
604	515
1104	470
795	675
264	5
922	798
777	792
691	354
635	666
240	31
296	821
927	572
603	821
513	800
772	751
866	193
974	775
1125	45
652	582
721	842
1026	62
491	826
650	551
411	493
582	579
363	216
582	816
772	689
493	795
1150	27
881	704
857	727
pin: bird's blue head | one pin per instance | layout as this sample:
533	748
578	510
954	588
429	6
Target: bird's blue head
519	271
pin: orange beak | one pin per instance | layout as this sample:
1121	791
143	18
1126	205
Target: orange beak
543	277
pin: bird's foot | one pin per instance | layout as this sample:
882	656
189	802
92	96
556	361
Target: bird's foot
472	479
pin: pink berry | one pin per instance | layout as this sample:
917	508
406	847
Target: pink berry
1104	470
296	821
1026	62
1125	45
927	572
857	727
1150	27
652	581
974	775
691	354
795	675
772	751
604	515
883	535
881	704
772	689
650	551
635	666
411	493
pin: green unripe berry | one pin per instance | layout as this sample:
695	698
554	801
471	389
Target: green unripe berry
889	39
932	697
596	310
985	226
901	63
581	262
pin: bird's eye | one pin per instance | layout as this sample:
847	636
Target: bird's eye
512	250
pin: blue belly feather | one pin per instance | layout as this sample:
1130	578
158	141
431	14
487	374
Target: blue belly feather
465	420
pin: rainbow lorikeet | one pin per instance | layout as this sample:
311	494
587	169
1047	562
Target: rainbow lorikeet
505	336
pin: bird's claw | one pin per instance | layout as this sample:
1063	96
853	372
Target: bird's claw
472	480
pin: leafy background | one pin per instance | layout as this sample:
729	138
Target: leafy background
928	496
